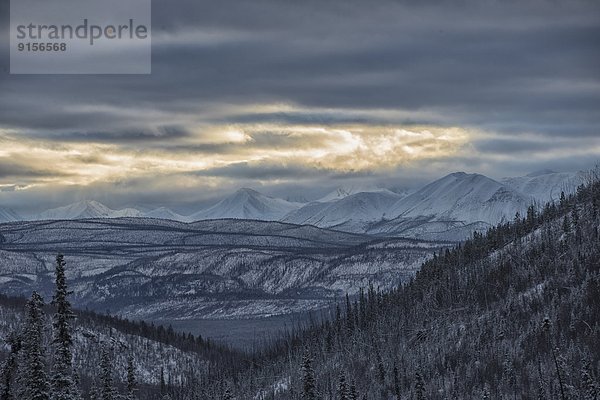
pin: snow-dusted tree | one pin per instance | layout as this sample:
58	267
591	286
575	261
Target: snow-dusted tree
94	392
32	371
342	388
107	391
309	389
590	389
227	395
131	381
353	393
419	387
63	385
9	367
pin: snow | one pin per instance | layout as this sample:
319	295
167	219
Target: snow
8	215
87	209
164	213
462	197
153	268
546	185
450	208
352	211
247	204
346	191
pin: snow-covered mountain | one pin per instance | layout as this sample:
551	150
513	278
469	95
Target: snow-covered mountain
247	204
8	215
546	185
165	213
87	209
462	197
351	213
458	202
345	191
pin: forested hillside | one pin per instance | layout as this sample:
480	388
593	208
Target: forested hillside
511	314
110	356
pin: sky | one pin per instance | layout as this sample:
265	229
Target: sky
296	98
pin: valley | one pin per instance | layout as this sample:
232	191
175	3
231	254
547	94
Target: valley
148	269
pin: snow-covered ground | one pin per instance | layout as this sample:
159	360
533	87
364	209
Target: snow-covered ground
157	269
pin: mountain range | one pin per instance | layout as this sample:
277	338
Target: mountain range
451	207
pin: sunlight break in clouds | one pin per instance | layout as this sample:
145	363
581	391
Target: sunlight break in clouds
342	149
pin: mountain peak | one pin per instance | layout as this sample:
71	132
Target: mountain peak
345	191
87	209
247	203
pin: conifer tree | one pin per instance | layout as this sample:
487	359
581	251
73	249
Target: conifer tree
227	395
566	225
163	384
353	395
9	367
95	392
63	385
342	388
309	390
349	316
419	387
590	388
32	373
396	382
107	391
131	381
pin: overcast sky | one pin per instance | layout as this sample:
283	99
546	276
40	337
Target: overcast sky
295	98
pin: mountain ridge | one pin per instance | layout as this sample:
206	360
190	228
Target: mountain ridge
457	199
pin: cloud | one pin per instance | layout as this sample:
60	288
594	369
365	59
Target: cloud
268	91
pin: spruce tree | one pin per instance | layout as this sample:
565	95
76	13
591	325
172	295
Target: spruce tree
419	387
63	386
353	392
227	395
396	382
106	381
10	366
309	390
32	374
131	381
95	392
342	388
590	389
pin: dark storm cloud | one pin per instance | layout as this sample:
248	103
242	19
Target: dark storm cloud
160	134
476	60
513	68
23	171
518	145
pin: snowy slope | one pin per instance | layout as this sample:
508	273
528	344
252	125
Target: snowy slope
546	185
462	197
351	213
87	209
161	269
8	215
346	191
164	213
247	204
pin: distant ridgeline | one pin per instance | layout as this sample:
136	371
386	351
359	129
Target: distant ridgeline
512	313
